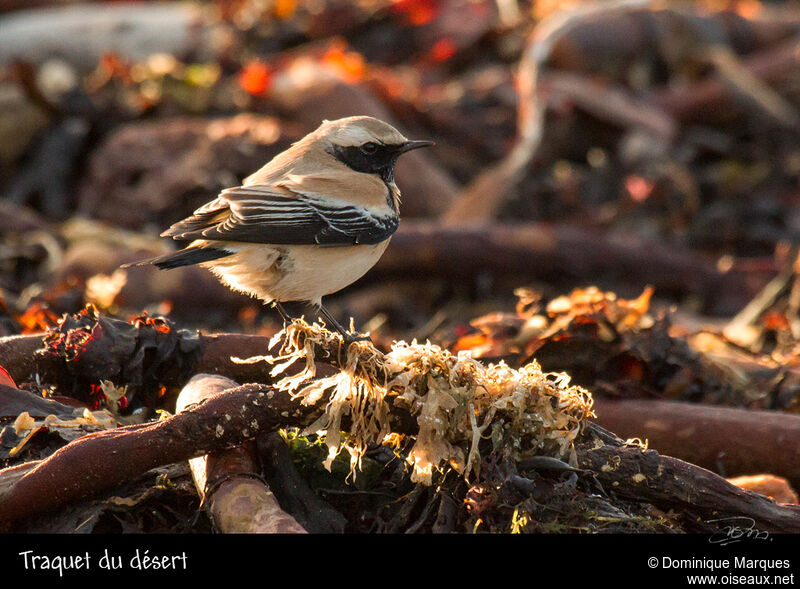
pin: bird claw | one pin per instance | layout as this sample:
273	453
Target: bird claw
350	338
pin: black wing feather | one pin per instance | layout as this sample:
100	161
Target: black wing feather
262	215
185	257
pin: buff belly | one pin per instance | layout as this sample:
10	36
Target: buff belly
294	273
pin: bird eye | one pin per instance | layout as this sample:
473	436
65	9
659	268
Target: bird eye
369	148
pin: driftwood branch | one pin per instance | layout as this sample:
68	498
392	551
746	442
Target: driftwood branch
103	460
669	482
538	251
294	493
17	356
228	481
728	439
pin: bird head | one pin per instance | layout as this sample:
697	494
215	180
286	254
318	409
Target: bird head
366	144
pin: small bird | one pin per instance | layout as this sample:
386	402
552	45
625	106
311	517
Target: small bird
312	221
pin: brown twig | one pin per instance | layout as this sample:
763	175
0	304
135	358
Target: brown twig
736	441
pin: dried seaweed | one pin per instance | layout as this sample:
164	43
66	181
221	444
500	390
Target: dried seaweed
457	401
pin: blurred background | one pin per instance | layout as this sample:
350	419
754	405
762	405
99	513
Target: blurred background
614	192
616	145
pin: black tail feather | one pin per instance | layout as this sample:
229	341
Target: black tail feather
184	257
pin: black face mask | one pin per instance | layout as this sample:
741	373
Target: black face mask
370	158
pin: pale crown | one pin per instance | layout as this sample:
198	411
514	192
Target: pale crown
354	131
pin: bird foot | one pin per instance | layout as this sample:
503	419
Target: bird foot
350	338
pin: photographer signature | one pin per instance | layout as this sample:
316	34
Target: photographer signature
736	529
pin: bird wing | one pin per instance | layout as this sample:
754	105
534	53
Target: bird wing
282	214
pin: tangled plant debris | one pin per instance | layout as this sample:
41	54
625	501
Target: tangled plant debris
440	441
88	354
457	400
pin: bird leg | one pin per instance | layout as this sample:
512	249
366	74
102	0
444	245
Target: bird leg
349	338
287	319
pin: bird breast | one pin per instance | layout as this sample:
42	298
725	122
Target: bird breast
294	272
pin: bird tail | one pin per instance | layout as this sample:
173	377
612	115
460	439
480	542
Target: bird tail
185	257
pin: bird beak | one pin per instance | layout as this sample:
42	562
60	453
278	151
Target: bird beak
409	145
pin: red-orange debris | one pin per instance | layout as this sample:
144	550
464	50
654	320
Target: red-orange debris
348	65
255	78
417	12
442	50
